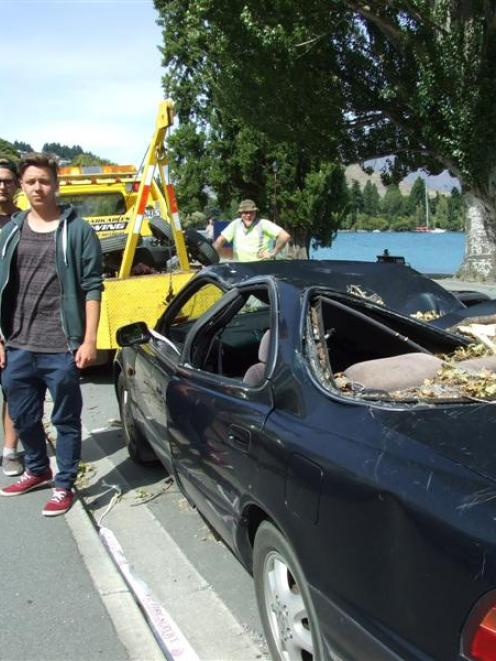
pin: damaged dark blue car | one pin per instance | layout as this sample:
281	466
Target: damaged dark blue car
341	447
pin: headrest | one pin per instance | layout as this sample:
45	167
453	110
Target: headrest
263	349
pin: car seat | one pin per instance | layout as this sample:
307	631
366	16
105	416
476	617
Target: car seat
254	375
407	370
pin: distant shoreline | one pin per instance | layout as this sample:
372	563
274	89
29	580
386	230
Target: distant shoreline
345	231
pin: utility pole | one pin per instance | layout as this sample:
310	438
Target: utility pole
275	211
426	207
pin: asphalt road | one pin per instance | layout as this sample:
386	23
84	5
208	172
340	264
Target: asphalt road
61	598
48	606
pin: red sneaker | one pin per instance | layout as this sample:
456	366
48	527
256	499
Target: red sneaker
59	503
27	482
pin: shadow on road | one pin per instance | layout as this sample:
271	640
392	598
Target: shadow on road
126	475
101	375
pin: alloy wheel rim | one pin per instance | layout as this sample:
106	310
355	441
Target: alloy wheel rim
286	610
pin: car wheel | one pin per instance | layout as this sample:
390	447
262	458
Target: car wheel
287	613
113	243
200	248
160	229
138	447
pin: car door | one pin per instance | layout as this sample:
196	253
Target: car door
215	422
145	388
158	359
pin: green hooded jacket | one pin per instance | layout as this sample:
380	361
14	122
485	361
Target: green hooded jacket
78	258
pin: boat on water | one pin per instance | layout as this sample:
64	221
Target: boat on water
432	230
427	227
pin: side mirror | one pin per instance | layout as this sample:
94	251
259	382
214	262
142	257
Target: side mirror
131	334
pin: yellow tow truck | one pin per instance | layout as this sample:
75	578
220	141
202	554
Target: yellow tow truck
147	254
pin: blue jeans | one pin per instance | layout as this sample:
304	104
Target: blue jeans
26	378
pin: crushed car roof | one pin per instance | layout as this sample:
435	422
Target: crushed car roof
396	286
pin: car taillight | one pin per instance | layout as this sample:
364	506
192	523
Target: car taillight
479	638
483	647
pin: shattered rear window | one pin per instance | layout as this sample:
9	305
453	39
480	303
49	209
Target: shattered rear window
354	353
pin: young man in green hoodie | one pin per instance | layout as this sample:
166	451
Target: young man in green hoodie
50	291
9	183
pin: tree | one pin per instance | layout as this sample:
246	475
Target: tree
455	210
62	151
187	154
393	204
195	220
441	214
416	197
8	151
371	199
22	146
356	201
412	78
87	158
320	206
215	150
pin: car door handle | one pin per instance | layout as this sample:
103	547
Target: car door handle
239	437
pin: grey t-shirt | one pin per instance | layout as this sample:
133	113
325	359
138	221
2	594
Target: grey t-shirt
35	295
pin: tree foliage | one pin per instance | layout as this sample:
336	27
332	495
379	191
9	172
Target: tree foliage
350	79
399	212
8	151
75	154
22	146
62	151
410	77
416	197
215	151
371	199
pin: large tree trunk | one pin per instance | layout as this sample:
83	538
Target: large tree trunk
298	247
297	251
479	263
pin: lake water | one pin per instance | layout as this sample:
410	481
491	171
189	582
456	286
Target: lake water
423	251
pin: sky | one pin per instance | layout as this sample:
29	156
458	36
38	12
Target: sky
81	72
88	73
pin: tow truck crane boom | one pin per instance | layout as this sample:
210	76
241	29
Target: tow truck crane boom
155	156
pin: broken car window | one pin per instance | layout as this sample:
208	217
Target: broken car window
354	354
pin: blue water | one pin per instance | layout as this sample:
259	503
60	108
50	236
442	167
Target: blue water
425	252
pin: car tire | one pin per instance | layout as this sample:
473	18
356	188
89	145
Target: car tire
160	229
113	243
284	602
200	248
138	447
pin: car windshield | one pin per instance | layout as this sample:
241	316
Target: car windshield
96	204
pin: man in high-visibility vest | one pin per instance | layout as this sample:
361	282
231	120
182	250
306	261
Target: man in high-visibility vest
252	238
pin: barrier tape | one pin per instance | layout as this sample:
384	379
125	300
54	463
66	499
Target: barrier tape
168	634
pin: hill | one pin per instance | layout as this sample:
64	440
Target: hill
442	183
74	155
